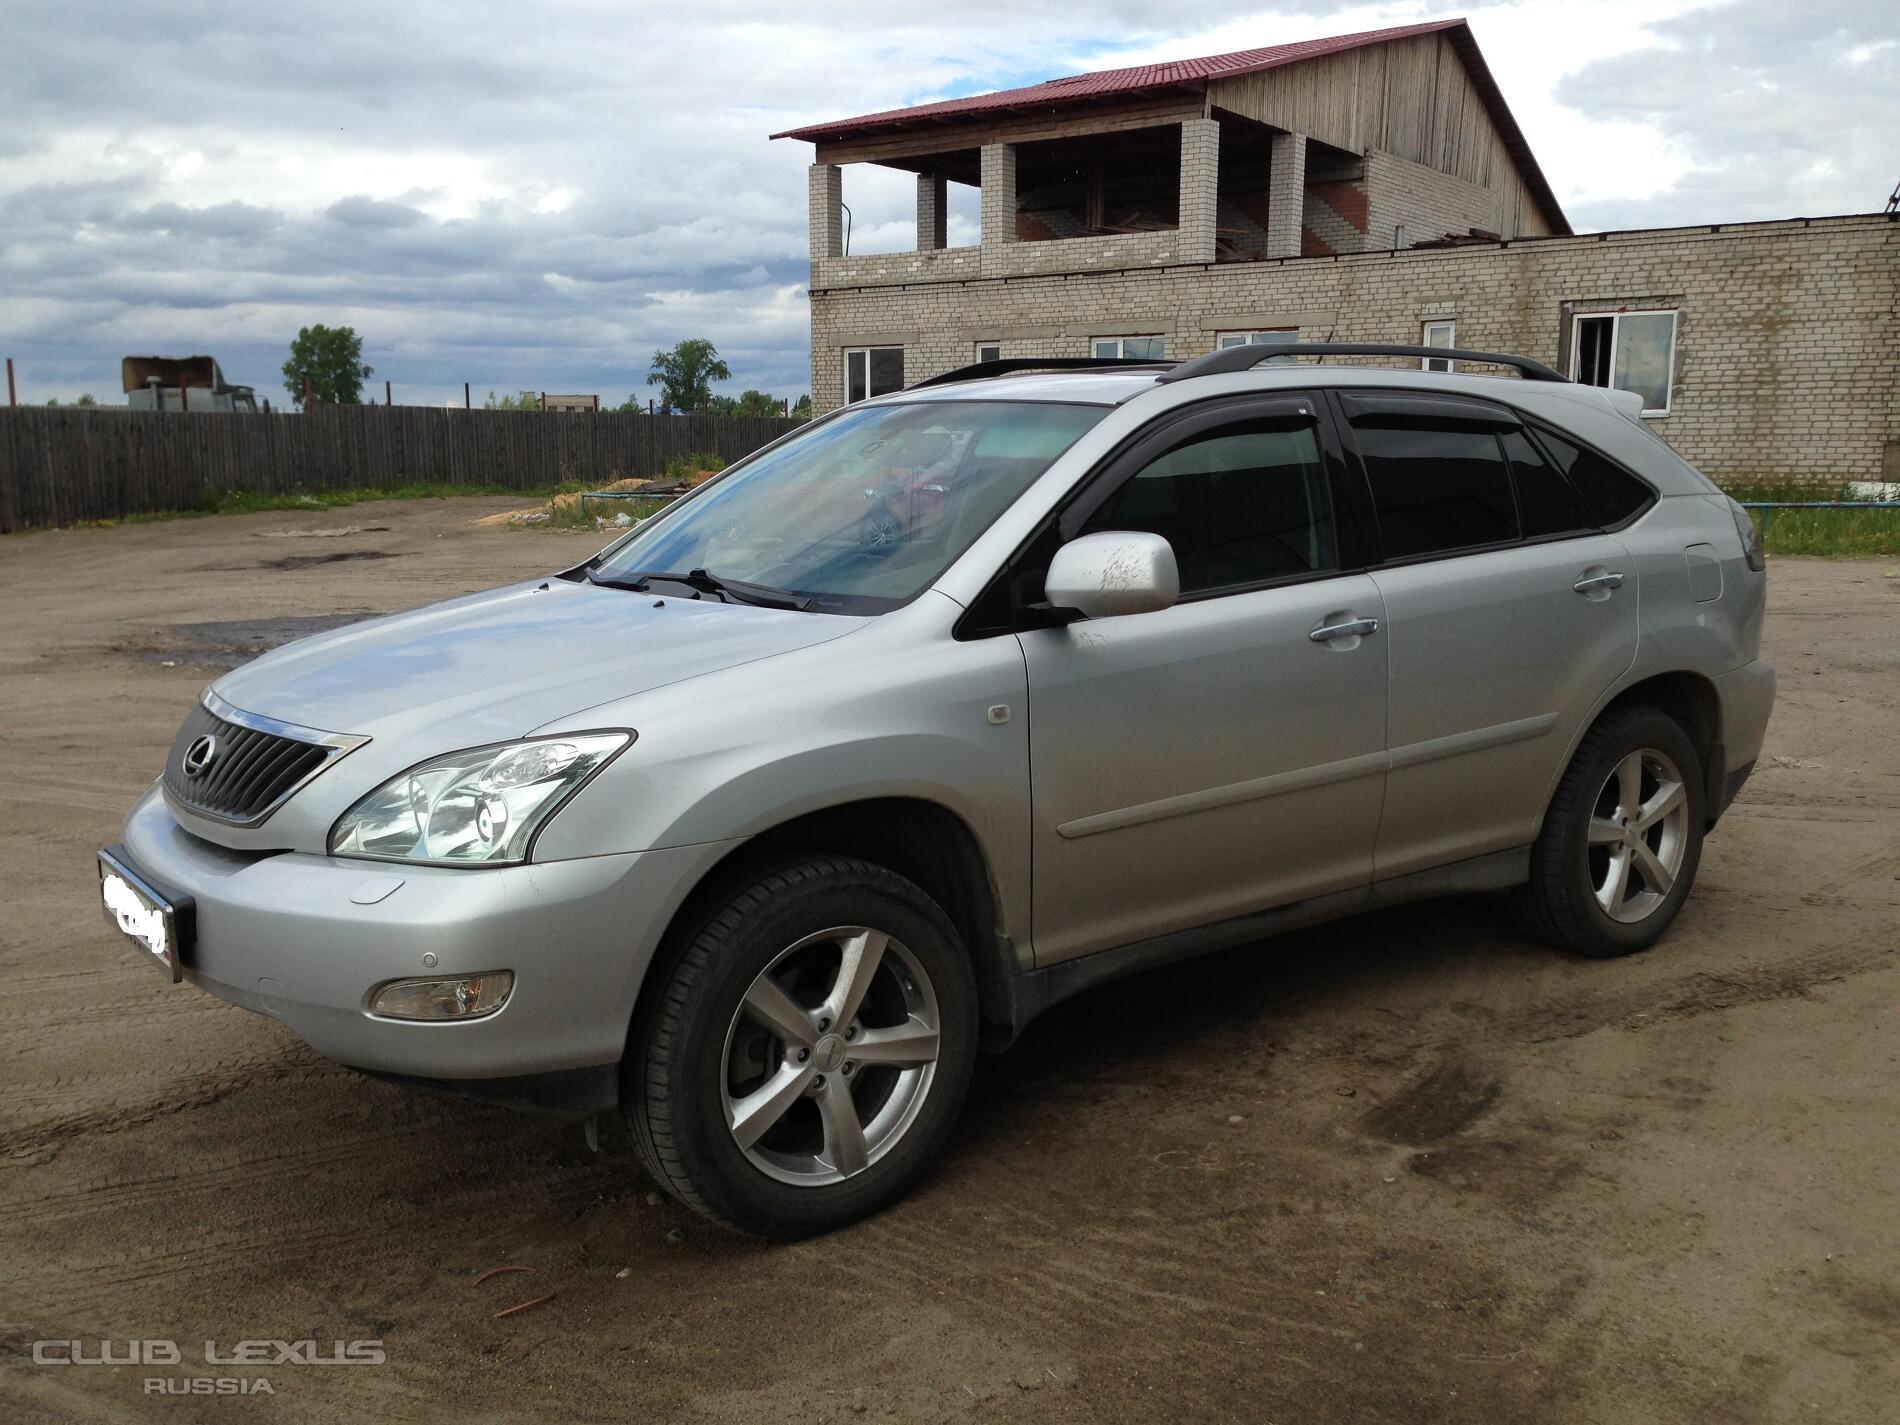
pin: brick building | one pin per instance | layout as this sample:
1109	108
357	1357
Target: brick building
1371	187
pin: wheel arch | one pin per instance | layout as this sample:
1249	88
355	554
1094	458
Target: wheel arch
1689	698
1686	696
924	841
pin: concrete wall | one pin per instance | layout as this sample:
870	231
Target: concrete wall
1788	344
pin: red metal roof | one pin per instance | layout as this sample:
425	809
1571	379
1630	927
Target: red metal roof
1191	73
1107	82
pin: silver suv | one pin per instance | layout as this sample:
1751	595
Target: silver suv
761	822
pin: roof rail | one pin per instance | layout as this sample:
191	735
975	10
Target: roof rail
978	370
1244	358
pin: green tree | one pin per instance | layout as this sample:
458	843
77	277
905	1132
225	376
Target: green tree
88	399
331	359
686	373
760	403
636	404
801	408
525	401
748	403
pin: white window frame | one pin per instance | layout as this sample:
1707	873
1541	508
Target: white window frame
1577	319
1263	336
989	351
1260	336
1438	363
1120	343
865	352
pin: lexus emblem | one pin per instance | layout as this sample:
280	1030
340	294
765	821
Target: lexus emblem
199	756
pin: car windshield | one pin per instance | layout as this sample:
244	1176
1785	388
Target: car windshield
861	513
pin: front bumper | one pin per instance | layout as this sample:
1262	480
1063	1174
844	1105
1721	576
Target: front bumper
305	938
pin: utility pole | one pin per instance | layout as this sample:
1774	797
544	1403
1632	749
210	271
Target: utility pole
388	399
465	405
13	398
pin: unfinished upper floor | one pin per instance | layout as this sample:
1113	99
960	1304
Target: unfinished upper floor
1359	143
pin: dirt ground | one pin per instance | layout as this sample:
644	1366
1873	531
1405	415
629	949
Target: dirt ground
1404	1168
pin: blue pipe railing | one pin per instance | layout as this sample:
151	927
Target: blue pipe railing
1819	504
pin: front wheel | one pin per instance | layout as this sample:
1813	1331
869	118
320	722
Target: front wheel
1622	839
808	1052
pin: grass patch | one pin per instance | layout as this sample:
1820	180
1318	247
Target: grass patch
1838	534
682	467
568	516
244	502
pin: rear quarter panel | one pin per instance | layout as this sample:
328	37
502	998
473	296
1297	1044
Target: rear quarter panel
1677	634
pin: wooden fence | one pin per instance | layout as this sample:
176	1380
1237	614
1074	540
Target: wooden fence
59	465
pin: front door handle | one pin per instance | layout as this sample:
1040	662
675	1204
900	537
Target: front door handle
1352	628
1590	583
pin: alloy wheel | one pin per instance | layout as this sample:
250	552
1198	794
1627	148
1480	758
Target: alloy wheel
1639	832
830	1056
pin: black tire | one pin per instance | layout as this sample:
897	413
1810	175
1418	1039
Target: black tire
1559	904
674	1077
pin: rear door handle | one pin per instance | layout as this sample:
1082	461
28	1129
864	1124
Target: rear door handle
1352	628
1592	582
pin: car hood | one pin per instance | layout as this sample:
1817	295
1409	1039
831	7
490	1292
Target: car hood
499	664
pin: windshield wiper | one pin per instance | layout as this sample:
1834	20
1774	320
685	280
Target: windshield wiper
699	580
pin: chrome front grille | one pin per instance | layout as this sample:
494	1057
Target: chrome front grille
238	767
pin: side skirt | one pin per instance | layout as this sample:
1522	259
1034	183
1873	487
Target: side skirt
1033	991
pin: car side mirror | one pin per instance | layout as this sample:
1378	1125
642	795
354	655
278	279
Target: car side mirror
1113	573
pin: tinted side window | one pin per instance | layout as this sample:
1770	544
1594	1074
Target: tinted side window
1436	489
1613	495
1545	502
1240	504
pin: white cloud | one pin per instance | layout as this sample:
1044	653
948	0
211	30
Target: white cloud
538	196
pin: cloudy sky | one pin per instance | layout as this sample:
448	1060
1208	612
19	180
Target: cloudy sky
538	196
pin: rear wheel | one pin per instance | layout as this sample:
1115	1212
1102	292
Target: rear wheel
1622	839
809	1051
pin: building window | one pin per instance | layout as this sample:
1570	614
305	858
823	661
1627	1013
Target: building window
872	371
1630	351
1133	348
1439	334
989	351
1278	336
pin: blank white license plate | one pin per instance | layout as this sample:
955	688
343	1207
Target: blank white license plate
141	913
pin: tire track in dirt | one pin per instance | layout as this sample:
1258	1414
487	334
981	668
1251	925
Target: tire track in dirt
223	1175
1635	1006
114	801
200	1084
25	1024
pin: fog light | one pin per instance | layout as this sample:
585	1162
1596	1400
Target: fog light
461	997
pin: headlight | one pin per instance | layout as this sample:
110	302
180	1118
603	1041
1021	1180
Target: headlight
479	807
